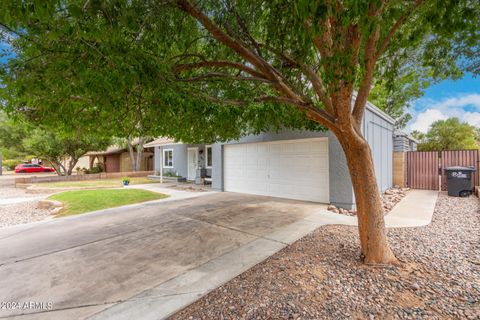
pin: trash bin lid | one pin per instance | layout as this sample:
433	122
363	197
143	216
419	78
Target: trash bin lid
455	168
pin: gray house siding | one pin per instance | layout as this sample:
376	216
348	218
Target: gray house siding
378	131
180	158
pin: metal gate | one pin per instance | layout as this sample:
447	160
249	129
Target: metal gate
463	158
422	170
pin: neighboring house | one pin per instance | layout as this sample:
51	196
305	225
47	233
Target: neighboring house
403	142
301	165
117	159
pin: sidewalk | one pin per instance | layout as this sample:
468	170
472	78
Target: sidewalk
174	194
415	210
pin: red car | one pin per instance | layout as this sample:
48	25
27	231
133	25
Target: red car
29	168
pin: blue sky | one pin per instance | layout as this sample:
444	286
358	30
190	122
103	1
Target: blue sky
449	98
460	98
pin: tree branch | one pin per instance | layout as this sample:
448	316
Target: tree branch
319	88
220	76
395	28
369	63
220	63
264	67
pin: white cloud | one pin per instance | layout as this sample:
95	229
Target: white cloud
426	118
465	107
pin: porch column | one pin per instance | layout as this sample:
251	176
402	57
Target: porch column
161	165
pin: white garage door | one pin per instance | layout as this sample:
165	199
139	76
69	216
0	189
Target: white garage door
294	169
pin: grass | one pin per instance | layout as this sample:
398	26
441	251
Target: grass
104	183
81	201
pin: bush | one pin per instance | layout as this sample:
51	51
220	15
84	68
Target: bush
171	174
11	163
97	169
126	179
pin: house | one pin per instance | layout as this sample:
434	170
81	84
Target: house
117	159
403	142
293	164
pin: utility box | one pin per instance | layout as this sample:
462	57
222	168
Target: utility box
459	181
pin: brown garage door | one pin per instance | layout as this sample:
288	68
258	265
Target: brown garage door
112	163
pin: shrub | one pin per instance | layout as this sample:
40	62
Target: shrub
97	168
126	179
11	163
170	174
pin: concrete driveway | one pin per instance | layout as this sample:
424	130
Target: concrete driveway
141	261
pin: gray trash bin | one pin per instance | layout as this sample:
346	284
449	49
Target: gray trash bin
459	181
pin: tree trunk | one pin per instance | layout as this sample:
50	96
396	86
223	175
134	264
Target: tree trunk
371	223
138	162
59	168
71	165
131	152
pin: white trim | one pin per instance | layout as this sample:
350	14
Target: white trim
161	164
279	141
206	156
163	159
188	161
153	144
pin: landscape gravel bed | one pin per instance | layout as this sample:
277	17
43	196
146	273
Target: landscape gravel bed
321	275
390	198
22	212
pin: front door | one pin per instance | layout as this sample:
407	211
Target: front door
192	163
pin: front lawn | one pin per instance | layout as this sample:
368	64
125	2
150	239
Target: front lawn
103	183
80	201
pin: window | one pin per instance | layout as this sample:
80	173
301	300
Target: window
208	159
168	158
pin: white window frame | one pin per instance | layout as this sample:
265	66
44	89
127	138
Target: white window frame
206	156
163	159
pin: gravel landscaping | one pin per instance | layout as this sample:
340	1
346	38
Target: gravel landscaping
321	276
390	198
25	211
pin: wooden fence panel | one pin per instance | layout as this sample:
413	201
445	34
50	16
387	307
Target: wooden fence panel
422	170
463	158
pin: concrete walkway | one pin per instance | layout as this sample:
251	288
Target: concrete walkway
414	210
150	260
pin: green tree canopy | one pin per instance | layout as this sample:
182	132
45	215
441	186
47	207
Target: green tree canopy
11	136
450	134
212	70
58	147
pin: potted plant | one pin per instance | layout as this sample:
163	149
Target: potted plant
126	181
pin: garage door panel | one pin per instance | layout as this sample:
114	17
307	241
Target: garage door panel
290	169
300	192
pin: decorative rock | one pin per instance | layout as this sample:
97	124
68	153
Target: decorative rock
49	204
328	281
389	199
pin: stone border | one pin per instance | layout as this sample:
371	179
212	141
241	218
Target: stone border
53	205
81	177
